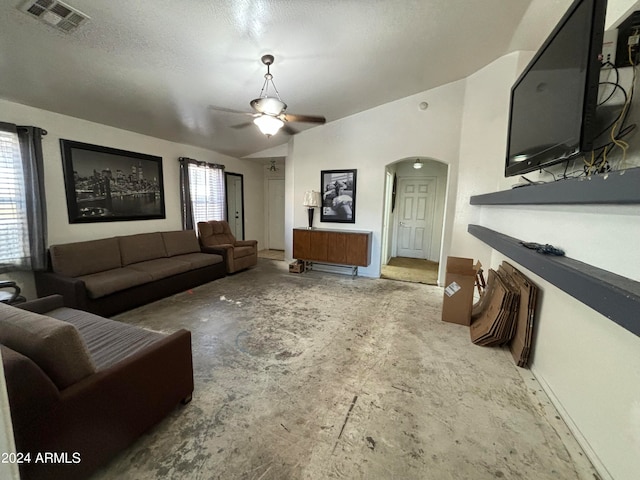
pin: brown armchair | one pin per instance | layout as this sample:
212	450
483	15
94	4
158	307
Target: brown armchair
215	237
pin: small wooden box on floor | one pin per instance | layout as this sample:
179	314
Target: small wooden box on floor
458	292
297	266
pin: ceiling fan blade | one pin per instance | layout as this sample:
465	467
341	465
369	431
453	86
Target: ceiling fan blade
242	125
288	129
229	110
292	117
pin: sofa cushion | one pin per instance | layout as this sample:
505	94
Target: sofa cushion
180	242
200	260
84	258
215	233
55	346
108	341
141	247
104	283
161	267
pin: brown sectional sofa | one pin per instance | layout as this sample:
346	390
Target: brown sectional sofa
115	274
84	387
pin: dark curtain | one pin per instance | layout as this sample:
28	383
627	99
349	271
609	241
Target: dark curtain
30	139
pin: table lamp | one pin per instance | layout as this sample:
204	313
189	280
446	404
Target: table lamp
312	200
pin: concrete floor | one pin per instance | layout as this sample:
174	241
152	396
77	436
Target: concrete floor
318	375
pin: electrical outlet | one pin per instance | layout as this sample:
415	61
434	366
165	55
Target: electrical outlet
609	44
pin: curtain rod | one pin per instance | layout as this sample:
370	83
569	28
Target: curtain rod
43	132
200	162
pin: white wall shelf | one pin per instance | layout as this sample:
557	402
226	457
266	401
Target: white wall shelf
614	296
622	187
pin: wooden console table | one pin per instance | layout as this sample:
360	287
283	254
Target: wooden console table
337	247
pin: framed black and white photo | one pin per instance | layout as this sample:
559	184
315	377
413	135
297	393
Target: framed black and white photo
106	184
338	189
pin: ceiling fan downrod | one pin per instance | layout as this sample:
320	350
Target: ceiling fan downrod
268	78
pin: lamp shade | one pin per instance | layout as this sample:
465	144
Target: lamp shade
312	199
268	125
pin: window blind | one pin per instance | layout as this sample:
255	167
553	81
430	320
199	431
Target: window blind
207	190
14	235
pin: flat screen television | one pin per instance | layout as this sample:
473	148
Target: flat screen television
553	103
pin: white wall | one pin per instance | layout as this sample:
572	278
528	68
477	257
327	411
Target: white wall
61	126
483	144
618	10
368	141
588	365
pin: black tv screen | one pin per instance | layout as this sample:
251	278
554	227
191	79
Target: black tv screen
554	101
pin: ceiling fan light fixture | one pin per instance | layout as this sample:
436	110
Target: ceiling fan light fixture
268	124
417	164
269	105
269	111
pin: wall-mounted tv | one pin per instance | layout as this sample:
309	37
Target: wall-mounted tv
554	101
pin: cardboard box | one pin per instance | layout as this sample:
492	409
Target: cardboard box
296	266
458	292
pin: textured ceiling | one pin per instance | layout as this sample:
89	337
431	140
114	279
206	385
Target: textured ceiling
154	66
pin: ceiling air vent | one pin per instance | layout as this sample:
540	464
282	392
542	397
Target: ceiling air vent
57	14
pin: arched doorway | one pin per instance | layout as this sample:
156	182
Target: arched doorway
413	223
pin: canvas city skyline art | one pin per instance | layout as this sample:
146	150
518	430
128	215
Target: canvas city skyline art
105	184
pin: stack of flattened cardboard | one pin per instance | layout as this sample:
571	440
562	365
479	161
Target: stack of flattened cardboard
521	343
505	313
495	317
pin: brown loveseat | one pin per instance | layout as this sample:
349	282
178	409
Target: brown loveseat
83	387
215	237
115	274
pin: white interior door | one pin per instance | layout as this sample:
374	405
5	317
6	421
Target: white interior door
275	219
415	216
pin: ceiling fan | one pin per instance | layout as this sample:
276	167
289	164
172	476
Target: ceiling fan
270	111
